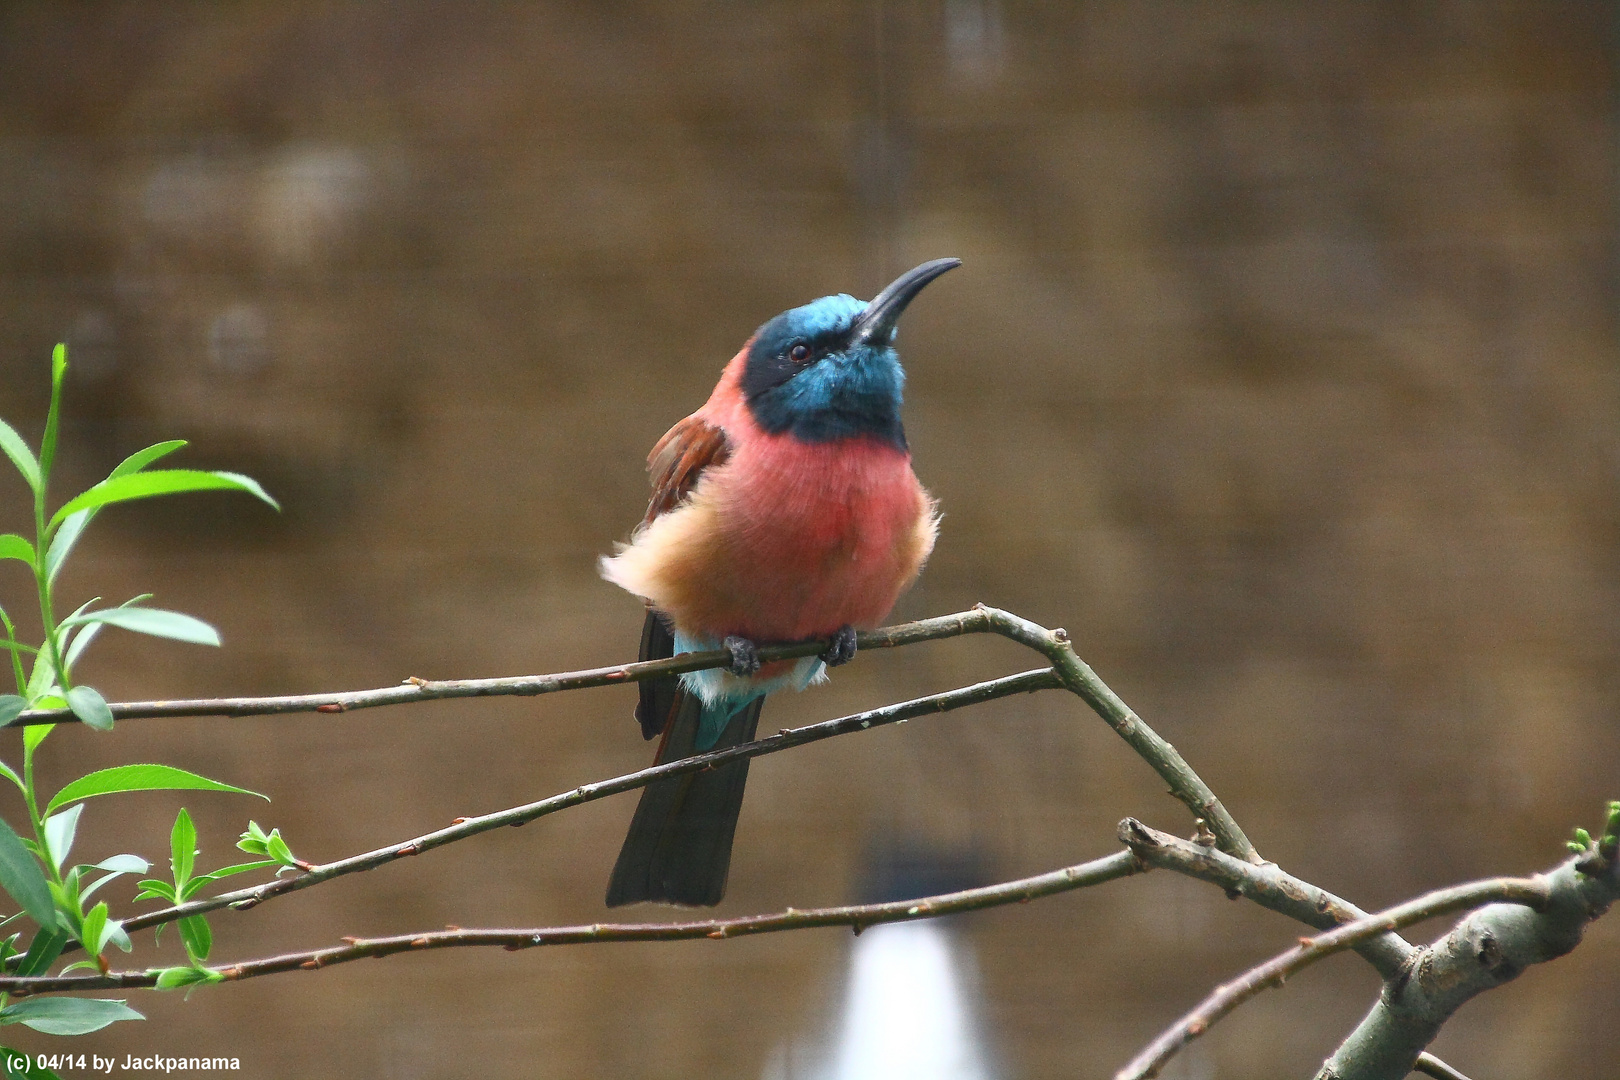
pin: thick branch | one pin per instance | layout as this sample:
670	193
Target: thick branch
1489	948
1535	892
1267	885
1027	682
1096	872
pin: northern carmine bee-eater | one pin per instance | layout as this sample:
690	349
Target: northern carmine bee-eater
785	509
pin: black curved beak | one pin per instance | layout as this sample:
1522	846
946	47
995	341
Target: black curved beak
875	325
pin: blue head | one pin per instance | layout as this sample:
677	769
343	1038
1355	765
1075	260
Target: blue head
828	370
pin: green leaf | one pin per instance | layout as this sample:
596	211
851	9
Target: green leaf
225	872
88	705
6	770
34	734
196	935
53	416
11	707
116	866
21	1066
67	1015
95	921
59	833
81	642
140	459
122	778
153	889
22	457
182	848
154	621
23	880
124	864
63	542
13	546
278	850
144	485
175	977
42	952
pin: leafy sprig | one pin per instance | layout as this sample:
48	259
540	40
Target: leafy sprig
34	867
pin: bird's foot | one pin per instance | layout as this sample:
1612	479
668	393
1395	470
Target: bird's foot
744	655
842	649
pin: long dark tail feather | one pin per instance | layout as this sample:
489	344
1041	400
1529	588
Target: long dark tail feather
678	850
657	695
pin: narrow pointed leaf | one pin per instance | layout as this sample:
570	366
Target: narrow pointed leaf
88	705
59	832
140	459
124	864
154	621
81	642
139	778
22	457
47	945
53	416
11	707
34	734
182	848
197	937
23	880
145	485
13	546
63	541
66	1015
175	977
95	921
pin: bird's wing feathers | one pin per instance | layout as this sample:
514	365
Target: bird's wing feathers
680	457
674	465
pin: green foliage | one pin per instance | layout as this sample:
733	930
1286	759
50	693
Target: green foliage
65	1015
35	870
256	842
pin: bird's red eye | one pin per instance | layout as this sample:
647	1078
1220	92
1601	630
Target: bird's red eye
799	353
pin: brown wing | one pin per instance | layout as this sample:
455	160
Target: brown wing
673	467
679	458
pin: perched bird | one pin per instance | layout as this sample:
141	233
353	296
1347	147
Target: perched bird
785	509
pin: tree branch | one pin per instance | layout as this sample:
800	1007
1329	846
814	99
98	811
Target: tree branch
241	899
1485	950
1534	892
1096	872
1267	885
1077	676
1429	1065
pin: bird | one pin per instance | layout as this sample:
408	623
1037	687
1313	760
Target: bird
784	509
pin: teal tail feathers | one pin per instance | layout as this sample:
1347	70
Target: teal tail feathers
678	850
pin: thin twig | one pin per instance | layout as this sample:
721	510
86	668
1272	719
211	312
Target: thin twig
1532	892
1077	676
1429	1065
1027	682
416	690
1121	864
1267	885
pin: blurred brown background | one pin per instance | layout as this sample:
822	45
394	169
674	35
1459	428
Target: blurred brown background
1282	371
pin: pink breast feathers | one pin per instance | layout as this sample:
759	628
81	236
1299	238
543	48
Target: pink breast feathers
785	541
